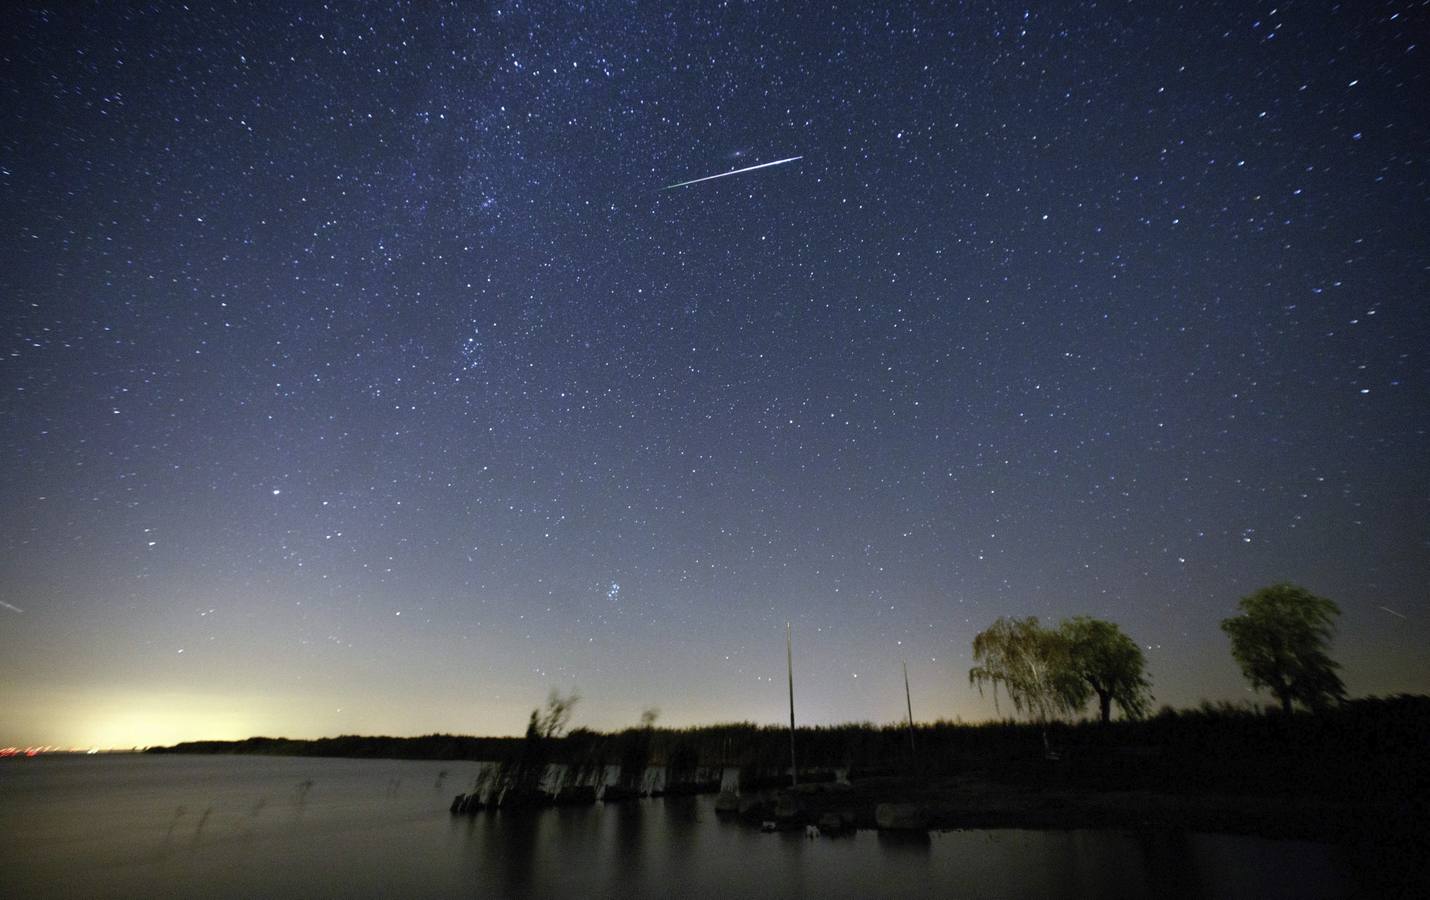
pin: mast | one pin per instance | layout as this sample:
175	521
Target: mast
789	665
910	704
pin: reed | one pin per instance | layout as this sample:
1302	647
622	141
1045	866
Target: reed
1366	747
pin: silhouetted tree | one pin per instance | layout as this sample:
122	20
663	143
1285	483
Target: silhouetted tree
1031	664
1110	663
1280	640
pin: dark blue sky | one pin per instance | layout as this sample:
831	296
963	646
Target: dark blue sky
359	377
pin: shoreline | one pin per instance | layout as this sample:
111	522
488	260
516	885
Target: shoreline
974	802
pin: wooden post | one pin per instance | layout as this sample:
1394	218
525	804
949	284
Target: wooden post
789	665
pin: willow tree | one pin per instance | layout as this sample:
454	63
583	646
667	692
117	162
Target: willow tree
1280	640
1110	663
1030	664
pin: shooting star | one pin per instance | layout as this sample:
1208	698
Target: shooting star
1393	613
778	162
11	607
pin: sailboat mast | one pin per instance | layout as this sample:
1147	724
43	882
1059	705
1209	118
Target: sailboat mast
789	666
910	704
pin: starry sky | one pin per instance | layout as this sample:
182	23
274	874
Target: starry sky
359	376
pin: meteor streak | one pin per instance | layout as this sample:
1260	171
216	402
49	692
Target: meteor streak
778	162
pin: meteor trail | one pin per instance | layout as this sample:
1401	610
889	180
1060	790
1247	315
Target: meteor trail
11	607
778	162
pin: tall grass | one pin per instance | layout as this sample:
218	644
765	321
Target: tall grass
1367	747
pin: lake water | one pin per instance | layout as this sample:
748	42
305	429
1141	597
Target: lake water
224	826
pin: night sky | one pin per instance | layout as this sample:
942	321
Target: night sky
360	377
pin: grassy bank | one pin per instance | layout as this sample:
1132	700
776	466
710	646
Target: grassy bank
1364	748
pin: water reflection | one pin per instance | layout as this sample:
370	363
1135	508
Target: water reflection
681	830
905	843
206	827
511	844
629	820
1163	856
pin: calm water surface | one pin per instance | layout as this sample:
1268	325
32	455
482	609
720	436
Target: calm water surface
223	826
